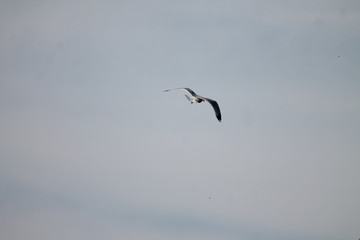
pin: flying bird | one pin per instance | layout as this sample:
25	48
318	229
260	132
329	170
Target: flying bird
198	99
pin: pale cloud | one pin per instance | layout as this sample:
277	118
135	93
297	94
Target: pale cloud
88	138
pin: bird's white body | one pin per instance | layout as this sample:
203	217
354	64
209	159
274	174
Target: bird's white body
193	99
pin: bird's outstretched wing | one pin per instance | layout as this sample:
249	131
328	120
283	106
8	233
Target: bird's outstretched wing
185	89
215	106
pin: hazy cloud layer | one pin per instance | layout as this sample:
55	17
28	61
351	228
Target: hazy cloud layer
90	146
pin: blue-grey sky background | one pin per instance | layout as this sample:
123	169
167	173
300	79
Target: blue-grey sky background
91	148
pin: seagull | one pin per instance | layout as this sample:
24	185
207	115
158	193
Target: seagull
198	99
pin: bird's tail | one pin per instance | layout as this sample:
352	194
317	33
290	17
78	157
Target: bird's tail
191	99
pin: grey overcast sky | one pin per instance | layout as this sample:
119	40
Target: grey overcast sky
91	148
